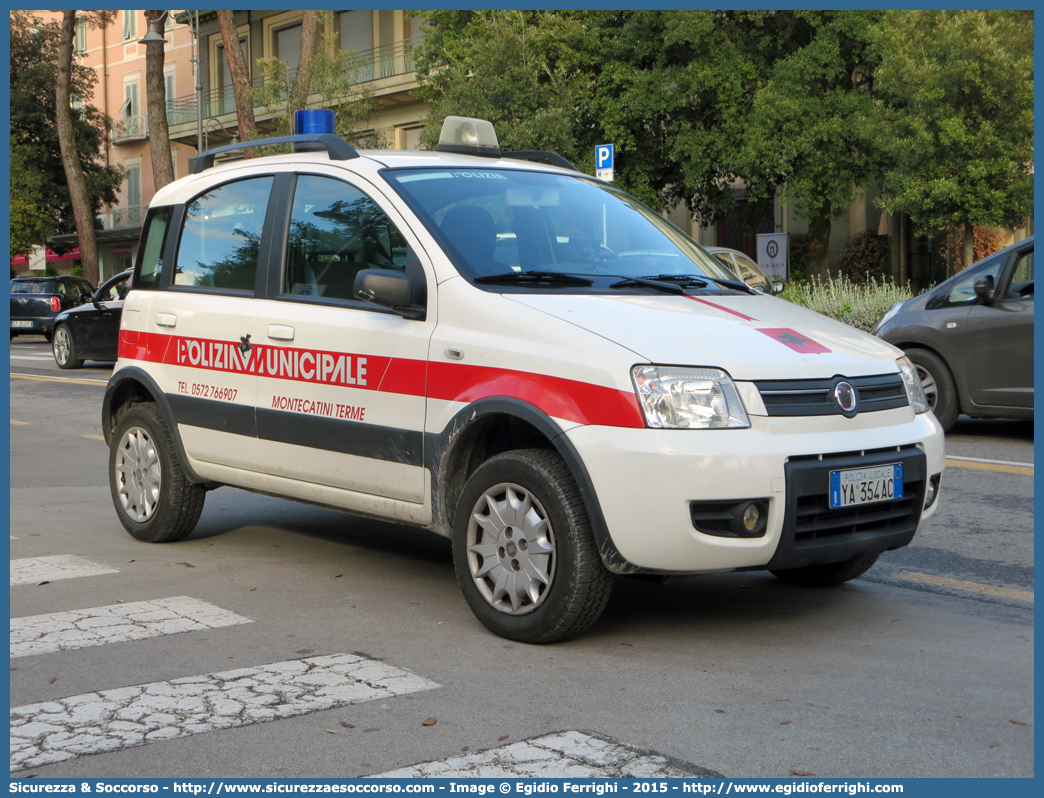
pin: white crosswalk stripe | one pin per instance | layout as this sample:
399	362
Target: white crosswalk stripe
116	623
126	717
33	570
571	754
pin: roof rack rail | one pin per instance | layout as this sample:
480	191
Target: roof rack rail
338	148
540	155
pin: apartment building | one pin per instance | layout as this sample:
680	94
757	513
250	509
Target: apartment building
384	39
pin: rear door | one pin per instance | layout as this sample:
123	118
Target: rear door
341	382
201	323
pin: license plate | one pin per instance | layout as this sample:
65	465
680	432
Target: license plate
21	324
883	483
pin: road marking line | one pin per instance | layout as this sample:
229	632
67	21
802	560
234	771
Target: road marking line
31	357
571	755
95	437
127	717
971	587
58	379
984	460
982	465
116	623
33	570
19	423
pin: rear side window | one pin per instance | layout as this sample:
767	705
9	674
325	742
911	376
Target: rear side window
221	236
335	232
153	242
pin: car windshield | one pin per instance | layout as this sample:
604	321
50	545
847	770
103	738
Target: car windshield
503	221
32	287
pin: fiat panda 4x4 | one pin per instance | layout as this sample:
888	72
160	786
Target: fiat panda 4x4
514	355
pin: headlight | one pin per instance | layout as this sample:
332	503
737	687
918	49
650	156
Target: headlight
914	391
888	315
673	397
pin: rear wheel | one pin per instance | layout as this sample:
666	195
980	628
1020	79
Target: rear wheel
153	498
830	574
64	349
523	551
938	385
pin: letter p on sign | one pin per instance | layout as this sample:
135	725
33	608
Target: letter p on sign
604	162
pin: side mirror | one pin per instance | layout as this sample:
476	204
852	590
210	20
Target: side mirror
984	289
777	287
389	289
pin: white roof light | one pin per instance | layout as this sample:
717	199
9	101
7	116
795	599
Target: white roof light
462	134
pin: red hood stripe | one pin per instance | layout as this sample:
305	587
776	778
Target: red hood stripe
721	307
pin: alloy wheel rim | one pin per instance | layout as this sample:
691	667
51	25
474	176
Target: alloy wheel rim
138	474
928	385
511	549
62	345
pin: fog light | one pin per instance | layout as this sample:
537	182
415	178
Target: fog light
931	491
751	517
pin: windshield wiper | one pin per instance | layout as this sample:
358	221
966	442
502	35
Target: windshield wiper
737	284
700	281
667	288
533	277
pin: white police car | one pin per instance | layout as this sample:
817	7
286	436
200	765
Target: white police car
514	355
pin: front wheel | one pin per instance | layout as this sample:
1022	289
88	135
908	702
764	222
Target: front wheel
939	388
828	575
64	349
523	551
153	498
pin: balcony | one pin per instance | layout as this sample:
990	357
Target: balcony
377	64
130	128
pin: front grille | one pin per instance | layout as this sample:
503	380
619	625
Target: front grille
814	520
816	397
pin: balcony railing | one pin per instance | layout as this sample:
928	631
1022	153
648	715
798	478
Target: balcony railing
380	62
130	128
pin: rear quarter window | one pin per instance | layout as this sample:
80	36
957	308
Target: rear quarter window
150	253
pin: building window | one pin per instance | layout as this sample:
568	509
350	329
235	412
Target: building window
133	185
80	34
288	47
356	29
130	24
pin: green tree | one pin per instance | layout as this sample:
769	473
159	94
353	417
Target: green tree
959	92
40	201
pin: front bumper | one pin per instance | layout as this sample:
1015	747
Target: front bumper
645	481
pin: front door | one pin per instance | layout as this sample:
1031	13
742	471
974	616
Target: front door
341	385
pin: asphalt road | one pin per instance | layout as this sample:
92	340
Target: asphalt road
923	667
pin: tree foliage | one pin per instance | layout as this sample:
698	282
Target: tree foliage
957	92
333	77
40	201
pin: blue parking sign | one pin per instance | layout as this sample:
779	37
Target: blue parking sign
604	161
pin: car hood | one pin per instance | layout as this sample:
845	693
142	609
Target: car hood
750	337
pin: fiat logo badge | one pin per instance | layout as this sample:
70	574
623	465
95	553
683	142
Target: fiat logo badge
845	396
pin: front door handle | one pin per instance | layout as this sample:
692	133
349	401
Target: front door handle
166	319
280	332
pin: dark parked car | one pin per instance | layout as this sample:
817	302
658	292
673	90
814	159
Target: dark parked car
91	331
35	301
971	338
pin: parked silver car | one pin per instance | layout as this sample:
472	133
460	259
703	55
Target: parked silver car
971	338
746	269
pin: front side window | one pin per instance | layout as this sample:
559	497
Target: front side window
336	231
221	236
495	221
1021	286
962	290
154	240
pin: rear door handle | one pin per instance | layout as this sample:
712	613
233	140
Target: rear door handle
280	332
166	319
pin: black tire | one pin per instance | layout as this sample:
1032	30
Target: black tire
142	434
578	585
63	347
939	388
830	574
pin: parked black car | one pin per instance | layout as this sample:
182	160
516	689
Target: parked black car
971	338
36	301
91	331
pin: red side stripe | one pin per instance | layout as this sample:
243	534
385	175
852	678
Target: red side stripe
559	397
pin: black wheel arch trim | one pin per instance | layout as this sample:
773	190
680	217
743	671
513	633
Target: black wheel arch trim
439	448
135	374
